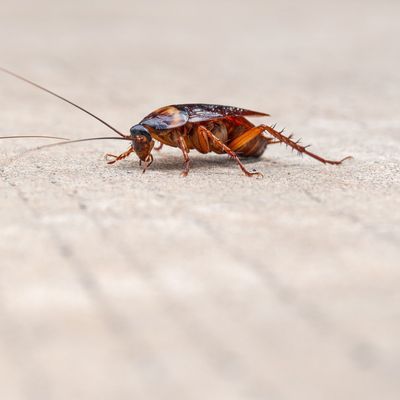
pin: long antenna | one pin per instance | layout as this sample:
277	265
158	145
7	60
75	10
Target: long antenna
67	142
78	141
61	98
32	136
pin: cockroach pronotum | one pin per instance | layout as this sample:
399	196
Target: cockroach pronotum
203	127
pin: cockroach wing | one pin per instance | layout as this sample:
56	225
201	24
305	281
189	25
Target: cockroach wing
178	115
207	112
166	118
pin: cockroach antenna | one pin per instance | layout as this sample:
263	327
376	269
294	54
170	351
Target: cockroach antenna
45	146
6	71
32	137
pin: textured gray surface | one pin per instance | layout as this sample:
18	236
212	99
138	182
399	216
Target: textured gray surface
118	285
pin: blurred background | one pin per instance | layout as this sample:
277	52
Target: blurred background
118	285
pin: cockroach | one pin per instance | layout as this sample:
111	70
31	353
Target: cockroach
207	128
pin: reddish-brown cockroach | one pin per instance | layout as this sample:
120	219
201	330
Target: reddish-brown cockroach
203	127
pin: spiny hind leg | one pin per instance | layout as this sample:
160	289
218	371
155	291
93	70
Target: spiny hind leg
229	151
185	152
118	158
296	146
250	134
245	137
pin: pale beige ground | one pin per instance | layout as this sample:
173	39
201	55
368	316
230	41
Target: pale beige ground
118	285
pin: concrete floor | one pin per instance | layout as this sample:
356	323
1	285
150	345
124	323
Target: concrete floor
119	285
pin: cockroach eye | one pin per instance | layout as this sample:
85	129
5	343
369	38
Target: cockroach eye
140	130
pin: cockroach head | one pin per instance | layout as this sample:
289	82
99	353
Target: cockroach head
142	141
140	131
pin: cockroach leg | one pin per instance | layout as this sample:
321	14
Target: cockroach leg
229	151
245	137
120	157
203	142
159	147
296	146
147	163
186	165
